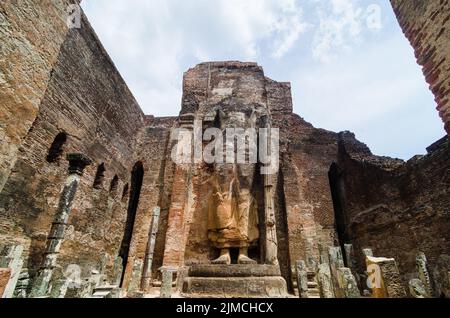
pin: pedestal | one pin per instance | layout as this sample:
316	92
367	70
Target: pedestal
234	281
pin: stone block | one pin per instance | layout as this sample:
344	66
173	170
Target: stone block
325	281
235	287
336	262
41	283
83	290
135	280
59	284
235	270
424	276
166	282
347	283
117	270
302	278
384	278
115	293
417	289
441	276
367	252
348	249
323	252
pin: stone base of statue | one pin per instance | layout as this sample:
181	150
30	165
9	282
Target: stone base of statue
234	281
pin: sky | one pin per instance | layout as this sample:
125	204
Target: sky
349	64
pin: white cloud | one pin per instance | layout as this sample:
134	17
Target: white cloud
288	28
369	73
340	26
371	91
362	85
154	42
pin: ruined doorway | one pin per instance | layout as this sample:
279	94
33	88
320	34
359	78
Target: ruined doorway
137	175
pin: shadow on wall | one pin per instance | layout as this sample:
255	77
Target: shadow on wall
137	175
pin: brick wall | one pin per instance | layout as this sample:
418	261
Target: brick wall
396	208
31	36
426	24
88	100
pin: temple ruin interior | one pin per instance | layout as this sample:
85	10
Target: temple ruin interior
93	205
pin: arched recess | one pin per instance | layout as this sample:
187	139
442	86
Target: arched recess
137	175
56	149
125	191
113	186
99	176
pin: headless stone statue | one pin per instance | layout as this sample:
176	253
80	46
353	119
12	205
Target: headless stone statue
233	214
233	217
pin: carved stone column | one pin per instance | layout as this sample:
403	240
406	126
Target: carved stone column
302	278
77	163
325	281
424	276
167	281
271	232
147	274
271	253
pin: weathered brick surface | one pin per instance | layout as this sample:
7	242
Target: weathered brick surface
151	150
307	154
5	275
396	208
303	199
426	24
87	99
56	80
31	35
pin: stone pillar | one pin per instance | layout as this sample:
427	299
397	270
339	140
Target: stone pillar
325	281
135	276
77	163
348	249
367	252
421	262
323	252
147	274
347	283
384	278
302	278
336	262
271	253
117	271
166	281
441	276
83	290
12	258
271	232
59	284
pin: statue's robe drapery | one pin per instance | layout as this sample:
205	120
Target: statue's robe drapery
232	208
233	213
